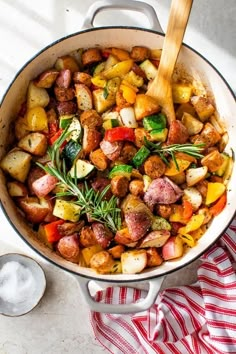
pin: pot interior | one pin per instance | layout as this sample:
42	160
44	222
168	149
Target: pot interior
190	65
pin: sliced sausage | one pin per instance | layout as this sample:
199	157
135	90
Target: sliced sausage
64	94
69	228
99	159
91	56
91	119
91	139
136	187
127	153
164	210
178	133
154	167
87	237
119	186
139	53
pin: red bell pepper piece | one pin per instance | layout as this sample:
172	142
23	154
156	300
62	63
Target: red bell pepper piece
53	128
51	231
219	205
188	209
54	137
120	134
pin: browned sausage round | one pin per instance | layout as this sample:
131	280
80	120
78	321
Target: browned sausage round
136	187
164	210
119	186
127	153
102	261
139	53
91	118
87	237
154	167
99	159
64	94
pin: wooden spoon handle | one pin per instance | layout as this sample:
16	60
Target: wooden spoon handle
160	88
179	15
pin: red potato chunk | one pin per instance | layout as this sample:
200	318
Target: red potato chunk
173	248
46	79
162	191
68	247
178	133
155	239
111	150
34	211
138	223
102	234
64	78
17	189
44	185
67	107
133	261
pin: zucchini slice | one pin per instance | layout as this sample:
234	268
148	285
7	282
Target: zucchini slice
81	169
76	129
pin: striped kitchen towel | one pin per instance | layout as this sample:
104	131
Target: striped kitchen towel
195	319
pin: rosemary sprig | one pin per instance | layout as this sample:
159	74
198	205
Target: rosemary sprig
92	203
164	151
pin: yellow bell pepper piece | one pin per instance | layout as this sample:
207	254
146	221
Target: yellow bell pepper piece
128	93
214	192
177	214
193	224
98	81
188	239
119	69
37	119
88	253
121	54
172	169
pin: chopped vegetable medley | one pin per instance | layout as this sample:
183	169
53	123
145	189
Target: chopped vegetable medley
101	175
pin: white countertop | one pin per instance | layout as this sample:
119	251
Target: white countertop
60	324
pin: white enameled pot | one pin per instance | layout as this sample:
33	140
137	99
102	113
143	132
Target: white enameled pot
190	63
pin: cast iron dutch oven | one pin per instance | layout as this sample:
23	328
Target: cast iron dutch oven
125	37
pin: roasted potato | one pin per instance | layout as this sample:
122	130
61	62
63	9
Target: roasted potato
17	164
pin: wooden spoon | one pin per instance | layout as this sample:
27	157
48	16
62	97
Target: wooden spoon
161	88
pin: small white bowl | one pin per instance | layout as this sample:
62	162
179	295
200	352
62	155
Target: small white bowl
12	309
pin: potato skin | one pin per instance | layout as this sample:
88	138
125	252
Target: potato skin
102	262
87	237
91	56
178	133
68	247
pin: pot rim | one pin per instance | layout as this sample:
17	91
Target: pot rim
142	276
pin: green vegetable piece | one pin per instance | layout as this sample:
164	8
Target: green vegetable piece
70	152
110	123
140	156
160	223
159	134
75	128
81	169
156	121
65	120
121	170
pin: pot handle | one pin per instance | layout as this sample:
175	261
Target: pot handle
142	305
139	6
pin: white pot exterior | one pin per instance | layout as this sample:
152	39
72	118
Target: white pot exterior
123	37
